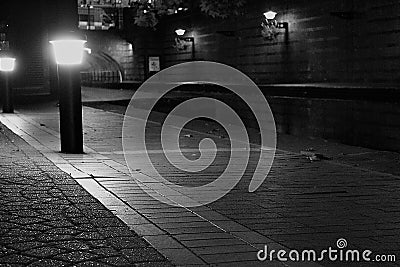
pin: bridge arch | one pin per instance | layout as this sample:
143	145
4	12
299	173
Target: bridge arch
100	67
111	60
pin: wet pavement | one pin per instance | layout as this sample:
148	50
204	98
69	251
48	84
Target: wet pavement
48	219
301	205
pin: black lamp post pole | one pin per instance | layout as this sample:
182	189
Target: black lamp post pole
70	109
8	106
193	49
88	10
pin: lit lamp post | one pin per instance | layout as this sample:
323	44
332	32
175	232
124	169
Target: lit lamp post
89	7
69	56
88	10
180	33
7	65
270	26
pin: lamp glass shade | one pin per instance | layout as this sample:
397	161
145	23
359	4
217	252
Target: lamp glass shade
7	64
68	52
180	32
270	14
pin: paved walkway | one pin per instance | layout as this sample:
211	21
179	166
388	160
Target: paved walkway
93	94
47	219
301	205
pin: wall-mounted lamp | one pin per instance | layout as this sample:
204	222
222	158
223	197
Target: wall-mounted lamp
182	42
270	15
270	26
180	32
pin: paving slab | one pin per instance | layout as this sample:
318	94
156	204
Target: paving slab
301	205
45	218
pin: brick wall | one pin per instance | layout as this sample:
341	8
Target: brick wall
29	45
367	123
353	41
115	47
361	123
146	44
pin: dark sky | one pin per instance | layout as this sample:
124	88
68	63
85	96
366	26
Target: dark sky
4	9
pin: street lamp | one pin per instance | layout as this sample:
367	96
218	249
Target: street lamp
270	26
270	15
180	32
69	55
7	65
88	6
182	40
68	51
88	10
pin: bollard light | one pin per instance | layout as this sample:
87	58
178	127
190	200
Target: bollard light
7	64
69	55
68	52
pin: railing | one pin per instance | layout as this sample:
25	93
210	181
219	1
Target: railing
106	76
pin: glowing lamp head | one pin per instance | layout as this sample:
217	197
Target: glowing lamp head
7	64
270	14
68	52
180	32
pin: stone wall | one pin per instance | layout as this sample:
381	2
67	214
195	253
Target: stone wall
351	41
110	52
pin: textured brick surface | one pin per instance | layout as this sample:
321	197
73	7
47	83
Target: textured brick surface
327	42
301	204
47	219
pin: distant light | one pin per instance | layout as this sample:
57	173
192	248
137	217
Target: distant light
270	14
7	64
145	11
180	9
180	32
68	52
